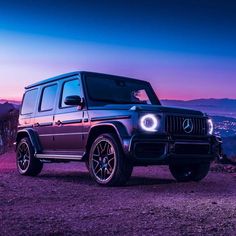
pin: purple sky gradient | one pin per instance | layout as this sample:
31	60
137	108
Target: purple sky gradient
186	48
26	58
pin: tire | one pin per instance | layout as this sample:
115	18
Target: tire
186	173
107	164
26	163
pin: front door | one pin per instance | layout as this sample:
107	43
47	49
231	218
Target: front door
68	121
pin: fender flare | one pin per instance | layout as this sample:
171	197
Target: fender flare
120	130
32	136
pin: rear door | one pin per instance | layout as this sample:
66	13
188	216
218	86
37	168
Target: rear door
44	116
26	118
68	120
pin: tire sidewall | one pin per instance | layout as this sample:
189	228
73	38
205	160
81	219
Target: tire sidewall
118	155
198	171
35	166
202	172
28	144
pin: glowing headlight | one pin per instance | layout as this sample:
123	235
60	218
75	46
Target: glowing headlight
149	123
210	126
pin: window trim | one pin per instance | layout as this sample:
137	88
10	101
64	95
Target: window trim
41	98
27	91
61	94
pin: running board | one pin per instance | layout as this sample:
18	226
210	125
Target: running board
59	157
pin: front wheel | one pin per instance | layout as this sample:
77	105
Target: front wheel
107	164
186	173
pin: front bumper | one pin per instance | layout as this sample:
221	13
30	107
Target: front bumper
165	149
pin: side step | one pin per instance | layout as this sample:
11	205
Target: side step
59	157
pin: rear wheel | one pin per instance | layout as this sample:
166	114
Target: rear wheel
193	172
26	163
107	164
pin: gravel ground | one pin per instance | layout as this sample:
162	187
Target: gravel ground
63	200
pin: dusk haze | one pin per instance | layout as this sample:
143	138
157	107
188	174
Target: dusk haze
186	49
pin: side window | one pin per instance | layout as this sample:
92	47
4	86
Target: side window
70	88
48	98
29	102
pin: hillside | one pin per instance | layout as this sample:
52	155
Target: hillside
229	146
5	110
15	103
8	125
216	107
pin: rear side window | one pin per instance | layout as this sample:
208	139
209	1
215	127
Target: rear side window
29	102
70	88
48	98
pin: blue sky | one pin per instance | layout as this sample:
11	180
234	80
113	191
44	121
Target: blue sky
173	44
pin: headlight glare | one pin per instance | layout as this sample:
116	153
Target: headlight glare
149	123
210	126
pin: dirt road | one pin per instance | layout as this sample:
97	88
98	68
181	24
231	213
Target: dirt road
63	200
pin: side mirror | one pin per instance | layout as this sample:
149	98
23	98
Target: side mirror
73	100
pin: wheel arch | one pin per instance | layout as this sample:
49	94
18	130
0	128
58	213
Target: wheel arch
115	127
30	133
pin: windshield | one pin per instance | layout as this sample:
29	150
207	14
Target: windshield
116	90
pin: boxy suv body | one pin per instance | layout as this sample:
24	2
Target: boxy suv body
111	123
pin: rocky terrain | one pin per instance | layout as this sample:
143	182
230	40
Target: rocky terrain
8	125
63	200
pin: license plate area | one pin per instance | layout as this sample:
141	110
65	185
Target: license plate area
192	149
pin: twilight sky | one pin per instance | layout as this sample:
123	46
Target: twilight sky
185	48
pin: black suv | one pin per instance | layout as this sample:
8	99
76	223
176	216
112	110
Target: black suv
111	123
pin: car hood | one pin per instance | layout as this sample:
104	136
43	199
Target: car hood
151	108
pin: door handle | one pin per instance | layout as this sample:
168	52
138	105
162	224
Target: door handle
58	122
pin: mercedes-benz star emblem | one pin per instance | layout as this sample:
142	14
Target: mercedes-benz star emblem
188	126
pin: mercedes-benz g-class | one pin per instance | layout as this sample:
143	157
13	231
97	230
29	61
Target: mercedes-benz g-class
111	123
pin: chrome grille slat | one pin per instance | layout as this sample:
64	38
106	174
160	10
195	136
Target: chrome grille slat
174	125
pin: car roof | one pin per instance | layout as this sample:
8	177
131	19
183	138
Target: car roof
63	76
52	79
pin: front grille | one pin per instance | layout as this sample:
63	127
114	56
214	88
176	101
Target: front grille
174	125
